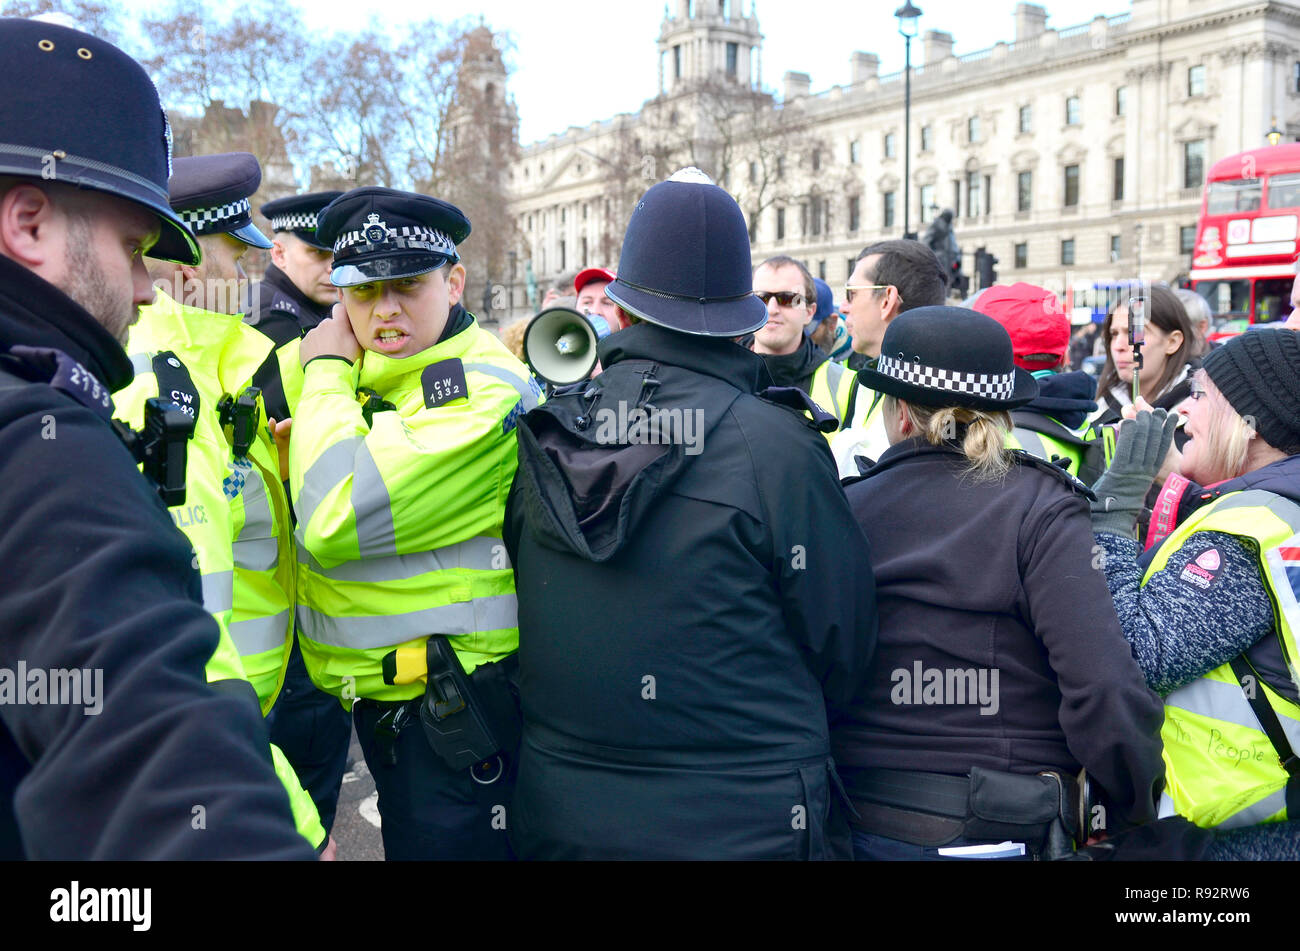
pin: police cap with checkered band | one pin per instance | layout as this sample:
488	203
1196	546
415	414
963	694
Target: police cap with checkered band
211	192
76	109
379	234
298	214
949	356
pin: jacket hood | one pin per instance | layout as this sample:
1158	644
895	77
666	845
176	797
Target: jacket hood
1281	478
1066	398
792	369
35	313
595	457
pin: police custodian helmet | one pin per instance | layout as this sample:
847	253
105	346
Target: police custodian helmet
76	109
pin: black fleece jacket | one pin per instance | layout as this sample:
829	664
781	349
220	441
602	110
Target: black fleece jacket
98	579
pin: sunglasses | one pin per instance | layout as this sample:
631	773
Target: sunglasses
784	298
850	288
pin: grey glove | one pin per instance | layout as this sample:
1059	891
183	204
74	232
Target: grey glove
1140	450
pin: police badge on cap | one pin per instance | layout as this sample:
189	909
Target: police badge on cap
379	234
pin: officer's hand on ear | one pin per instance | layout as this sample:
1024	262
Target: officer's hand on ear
332	337
280	432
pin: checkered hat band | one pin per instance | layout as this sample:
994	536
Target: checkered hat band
995	386
412	238
212	219
305	221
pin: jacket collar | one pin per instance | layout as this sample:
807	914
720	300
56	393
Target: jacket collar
789	369
718	357
278	280
381	372
201	339
35	313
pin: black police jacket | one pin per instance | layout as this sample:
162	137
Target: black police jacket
683	621
976	579
100	589
284	313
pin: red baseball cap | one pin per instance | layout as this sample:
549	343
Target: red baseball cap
1034	318
591	274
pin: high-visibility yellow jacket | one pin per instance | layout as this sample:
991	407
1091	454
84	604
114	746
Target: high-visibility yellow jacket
235	512
1221	769
862	433
832	386
400	518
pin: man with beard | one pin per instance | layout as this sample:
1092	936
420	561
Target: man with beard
147	761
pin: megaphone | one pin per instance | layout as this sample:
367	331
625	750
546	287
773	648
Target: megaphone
560	344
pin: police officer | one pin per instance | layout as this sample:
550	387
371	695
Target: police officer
683	626
202	356
97	577
292	298
402	454
992	673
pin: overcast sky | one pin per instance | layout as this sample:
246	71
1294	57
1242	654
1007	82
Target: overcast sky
607	50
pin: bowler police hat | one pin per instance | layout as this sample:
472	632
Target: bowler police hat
685	262
379	234
949	356
76	109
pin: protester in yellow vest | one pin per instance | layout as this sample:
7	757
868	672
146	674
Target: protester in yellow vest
1210	608
402	454
889	278
201	356
788	291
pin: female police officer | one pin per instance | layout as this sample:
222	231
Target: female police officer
1210	608
1001	666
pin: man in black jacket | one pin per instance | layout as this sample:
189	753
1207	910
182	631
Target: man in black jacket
112	744
679	543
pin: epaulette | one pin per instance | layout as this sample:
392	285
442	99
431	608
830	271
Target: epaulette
1075	485
791	397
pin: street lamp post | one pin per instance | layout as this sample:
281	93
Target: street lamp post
907	17
1274	134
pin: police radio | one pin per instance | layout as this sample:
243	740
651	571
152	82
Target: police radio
560	344
160	447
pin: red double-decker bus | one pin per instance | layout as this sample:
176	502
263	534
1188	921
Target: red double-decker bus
1246	240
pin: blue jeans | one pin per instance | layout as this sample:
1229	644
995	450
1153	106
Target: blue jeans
876	848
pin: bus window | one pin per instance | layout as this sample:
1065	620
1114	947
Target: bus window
1284	191
1272	299
1241	194
1227	297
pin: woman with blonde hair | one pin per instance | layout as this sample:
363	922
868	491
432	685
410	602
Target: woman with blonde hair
1210	607
1000	668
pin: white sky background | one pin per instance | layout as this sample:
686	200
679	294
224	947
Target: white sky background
604	57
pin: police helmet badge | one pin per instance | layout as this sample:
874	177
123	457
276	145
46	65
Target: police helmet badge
376	231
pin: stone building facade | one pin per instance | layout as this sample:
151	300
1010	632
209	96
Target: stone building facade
1074	155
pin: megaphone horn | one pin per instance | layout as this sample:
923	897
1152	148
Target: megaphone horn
560	344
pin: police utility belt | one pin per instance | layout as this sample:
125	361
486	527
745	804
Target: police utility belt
1045	811
470	720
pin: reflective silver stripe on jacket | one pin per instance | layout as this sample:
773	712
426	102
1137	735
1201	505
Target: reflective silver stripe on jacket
1031	443
218	591
142	363
835	373
332	466
482	553
498	612
372	507
1225	701
256	548
260	634
1283	508
527	390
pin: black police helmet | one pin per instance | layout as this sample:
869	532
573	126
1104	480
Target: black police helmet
78	110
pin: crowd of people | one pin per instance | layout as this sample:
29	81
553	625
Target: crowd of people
780	579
